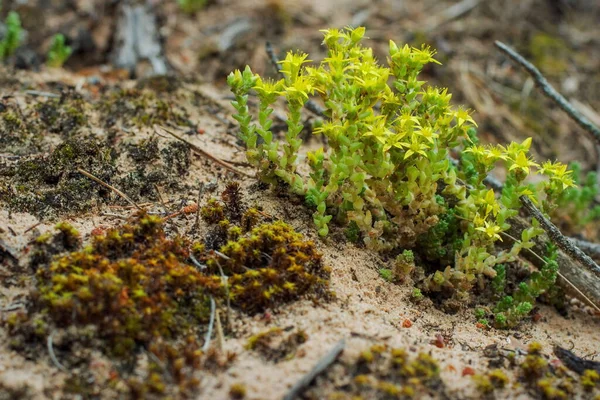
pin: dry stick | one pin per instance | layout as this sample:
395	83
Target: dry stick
206	154
550	92
455	11
106	185
52	355
208	336
558	238
591	249
321	366
574	288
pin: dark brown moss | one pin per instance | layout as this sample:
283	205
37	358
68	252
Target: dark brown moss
44	184
141	108
381	372
64	116
19	134
276	344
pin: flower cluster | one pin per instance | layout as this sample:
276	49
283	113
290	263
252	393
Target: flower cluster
387	173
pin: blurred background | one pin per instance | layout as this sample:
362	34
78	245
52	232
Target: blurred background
206	39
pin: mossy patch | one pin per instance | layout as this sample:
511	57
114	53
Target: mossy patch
132	292
276	344
155	166
64	116
550	53
134	107
380	372
18	135
47	183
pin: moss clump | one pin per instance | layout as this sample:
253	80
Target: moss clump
275	345
213	211
175	370
237	391
590	379
131	282
545	379
492	380
381	372
270	266
130	288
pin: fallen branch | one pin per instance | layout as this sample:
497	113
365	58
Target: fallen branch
206	154
321	366
106	185
575	363
550	92
453	12
589	248
559	239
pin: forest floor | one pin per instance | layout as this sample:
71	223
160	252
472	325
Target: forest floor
92	117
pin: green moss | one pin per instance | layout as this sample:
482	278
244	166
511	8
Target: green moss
490	381
237	391
590	379
213	211
270	266
548	381
276	345
380	372
18	135
386	274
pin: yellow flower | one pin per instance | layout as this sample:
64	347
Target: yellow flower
463	116
491	230
522	163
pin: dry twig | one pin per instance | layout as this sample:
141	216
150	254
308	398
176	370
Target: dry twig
206	154
453	12
106	185
550	92
321	366
563	243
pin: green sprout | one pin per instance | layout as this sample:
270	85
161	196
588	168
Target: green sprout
12	37
59	52
191	6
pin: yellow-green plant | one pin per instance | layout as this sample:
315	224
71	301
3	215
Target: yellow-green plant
191	6
387	172
12	36
59	51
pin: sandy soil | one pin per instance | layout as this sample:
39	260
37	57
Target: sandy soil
367	309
